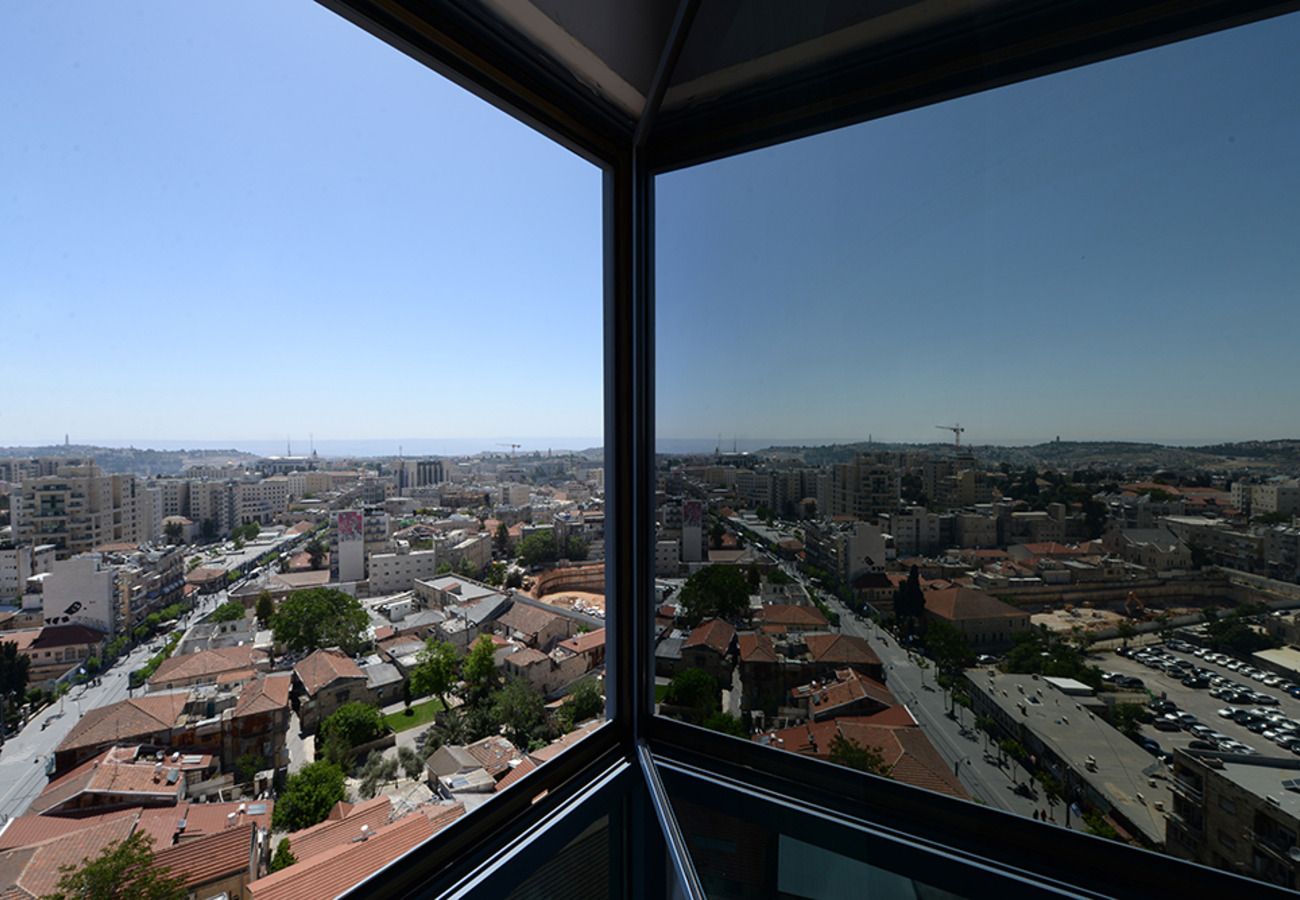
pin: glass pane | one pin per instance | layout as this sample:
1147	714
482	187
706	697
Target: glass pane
746	847
284	491
957	407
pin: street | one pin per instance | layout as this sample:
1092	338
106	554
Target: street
956	739
23	757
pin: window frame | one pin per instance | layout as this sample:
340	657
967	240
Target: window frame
463	42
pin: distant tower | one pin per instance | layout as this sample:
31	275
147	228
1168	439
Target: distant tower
66	441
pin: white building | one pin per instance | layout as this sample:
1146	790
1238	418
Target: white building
20	562
81	590
79	508
261	501
392	573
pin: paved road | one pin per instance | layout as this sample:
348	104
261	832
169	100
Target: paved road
956	739
23	757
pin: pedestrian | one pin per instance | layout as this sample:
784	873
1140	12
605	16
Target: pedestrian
1035	815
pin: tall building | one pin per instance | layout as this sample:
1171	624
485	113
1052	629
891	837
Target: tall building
864	488
78	507
82	590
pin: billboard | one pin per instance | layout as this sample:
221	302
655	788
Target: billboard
692	514
351	526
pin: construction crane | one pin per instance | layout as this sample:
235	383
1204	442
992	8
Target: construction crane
956	433
513	448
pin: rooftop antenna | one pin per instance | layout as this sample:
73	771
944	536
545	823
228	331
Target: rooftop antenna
288	447
312	440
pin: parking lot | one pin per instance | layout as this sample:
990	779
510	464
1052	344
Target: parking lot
1199	702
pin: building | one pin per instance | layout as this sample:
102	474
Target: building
391	573
55	649
864	488
326	680
1240	813
985	621
915	530
82	590
18	562
77	507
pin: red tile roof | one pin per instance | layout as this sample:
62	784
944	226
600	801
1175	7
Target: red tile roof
342	867
209	858
756	648
126	720
585	642
525	766
309	842
792	616
35	868
715	634
206	664
266	694
528	620
494	754
841	650
960	603
324	667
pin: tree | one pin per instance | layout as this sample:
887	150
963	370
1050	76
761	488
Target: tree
406	695
845	752
283	857
501	541
714	592
14	668
378	770
696	691
520	708
716	534
495	574
948	647
410	762
175	532
123	869
1126	717
727	724
308	796
248	765
1126	631
538	549
909	602
320	617
316	552
435	670
585	702
347	728
265	609
515	579
479	670
575	548
230	611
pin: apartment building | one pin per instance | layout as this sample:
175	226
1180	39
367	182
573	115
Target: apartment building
82	590
18	562
391	573
864	488
79	507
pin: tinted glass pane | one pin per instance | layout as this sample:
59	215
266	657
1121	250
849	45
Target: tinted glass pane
282	494
957	407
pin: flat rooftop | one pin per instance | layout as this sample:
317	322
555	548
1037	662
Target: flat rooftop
1073	734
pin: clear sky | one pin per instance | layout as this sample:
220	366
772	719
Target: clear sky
1107	253
233	221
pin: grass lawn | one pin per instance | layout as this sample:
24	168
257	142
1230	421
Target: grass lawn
421	714
660	690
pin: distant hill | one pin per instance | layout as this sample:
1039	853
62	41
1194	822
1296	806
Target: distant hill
1279	455
131	460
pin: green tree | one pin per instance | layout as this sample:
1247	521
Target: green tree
175	532
320	617
538	549
948	647
515	579
230	611
519	707
406	695
575	549
716	533
308	796
265	609
316	552
410	762
501	541
714	592
909	603
696	691
248	765
435	670
1126	717
495	574
850	754
123	869
1127	630
347	728
479	670
14	669
283	857
583	703
727	724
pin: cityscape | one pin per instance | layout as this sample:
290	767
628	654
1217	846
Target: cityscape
253	659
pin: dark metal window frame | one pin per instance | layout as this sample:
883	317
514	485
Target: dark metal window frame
461	41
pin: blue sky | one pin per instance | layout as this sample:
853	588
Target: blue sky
235	221
1107	253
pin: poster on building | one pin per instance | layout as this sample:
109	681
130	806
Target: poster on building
351	526
692	514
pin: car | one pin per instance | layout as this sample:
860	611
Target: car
1226	712
1200	730
984	659
1266	700
1165	723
